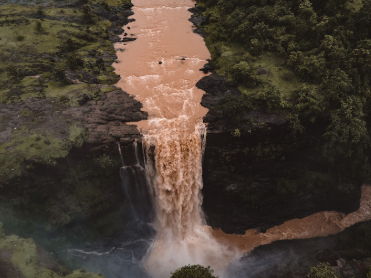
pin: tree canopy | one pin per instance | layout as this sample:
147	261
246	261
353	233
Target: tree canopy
325	45
193	271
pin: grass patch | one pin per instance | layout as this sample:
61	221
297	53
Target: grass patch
274	73
29	146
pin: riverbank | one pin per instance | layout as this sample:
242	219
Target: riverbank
62	119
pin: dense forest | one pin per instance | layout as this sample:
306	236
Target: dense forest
309	61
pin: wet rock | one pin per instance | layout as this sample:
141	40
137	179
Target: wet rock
198	20
128	39
207	68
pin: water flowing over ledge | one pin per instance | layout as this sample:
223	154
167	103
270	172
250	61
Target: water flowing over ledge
161	69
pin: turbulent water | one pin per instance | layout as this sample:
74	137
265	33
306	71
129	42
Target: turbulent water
161	69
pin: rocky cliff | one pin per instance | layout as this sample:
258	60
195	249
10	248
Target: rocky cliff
265	172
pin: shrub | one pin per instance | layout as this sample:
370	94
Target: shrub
40	10
243	72
271	99
235	107
19	37
88	17
193	271
69	45
74	61
323	270
60	75
38	27
87	35
13	73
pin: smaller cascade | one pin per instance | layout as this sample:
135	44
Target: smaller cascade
122	158
136	188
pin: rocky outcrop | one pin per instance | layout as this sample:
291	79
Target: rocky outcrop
198	20
106	119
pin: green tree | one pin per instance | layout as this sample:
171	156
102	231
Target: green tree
74	61
310	102
244	73
323	270
60	75
347	131
193	271
88	16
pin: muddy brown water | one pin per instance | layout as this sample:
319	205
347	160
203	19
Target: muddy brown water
160	68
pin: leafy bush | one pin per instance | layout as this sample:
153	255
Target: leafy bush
38	27
323	270
74	61
87	35
271	99
40	10
60	75
235	107
193	271
245	74
13	73
19	37
88	17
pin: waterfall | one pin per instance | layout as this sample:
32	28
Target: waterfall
136	188
176	176
161	69
174	171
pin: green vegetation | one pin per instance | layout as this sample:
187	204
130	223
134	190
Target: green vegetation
54	55
323	270
193	271
306	60
53	45
27	258
31	146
